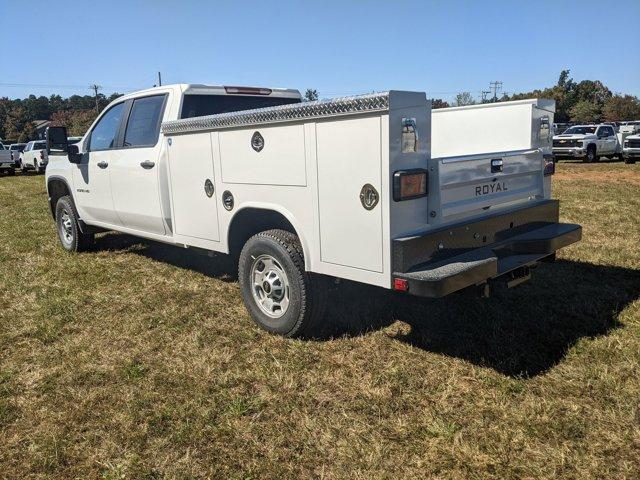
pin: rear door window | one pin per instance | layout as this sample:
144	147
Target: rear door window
143	126
201	105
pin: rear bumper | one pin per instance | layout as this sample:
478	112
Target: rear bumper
444	261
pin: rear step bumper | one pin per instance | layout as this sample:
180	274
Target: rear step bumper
461	256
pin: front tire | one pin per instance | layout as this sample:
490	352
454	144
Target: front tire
280	295
71	238
629	160
592	155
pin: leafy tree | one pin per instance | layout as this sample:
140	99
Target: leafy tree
18	125
439	103
311	95
463	98
621	107
76	121
585	112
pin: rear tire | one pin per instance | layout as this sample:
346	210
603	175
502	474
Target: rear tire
280	295
67	223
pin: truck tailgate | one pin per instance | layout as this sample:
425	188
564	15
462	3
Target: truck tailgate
472	183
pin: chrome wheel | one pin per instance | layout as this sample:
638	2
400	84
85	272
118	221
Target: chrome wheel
270	286
66	227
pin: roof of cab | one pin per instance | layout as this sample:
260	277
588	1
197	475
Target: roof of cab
201	89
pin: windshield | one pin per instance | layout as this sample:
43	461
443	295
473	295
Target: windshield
579	130
39	145
200	105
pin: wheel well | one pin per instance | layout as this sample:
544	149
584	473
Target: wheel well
592	145
249	221
57	188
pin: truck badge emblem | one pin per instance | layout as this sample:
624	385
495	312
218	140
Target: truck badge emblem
257	142
369	197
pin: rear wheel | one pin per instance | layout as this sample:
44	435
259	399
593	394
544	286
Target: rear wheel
280	295
71	238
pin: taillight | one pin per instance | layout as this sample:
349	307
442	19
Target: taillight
41	154
400	284
247	91
409	184
549	165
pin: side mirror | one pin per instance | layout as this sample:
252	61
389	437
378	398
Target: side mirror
57	139
74	154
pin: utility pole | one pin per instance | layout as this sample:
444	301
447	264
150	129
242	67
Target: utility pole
483	95
159	79
95	89
495	87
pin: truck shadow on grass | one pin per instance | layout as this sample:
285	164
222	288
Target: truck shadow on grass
521	332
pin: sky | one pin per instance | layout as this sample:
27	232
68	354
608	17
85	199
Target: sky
336	47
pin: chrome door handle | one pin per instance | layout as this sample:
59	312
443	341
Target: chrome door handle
147	164
102	164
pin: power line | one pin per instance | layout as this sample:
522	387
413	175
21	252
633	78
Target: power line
51	85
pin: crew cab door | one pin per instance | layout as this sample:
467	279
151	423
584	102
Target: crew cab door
91	180
609	139
134	166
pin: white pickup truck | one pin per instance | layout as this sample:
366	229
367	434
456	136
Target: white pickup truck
588	142
631	148
34	157
298	192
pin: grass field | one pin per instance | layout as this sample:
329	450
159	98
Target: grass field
138	360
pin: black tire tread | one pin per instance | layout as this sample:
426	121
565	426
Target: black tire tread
82	241
314	292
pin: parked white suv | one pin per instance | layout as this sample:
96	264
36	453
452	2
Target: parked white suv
588	142
34	157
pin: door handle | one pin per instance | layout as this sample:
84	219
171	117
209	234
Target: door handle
147	164
102	164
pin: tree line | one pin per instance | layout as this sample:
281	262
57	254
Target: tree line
77	112
587	101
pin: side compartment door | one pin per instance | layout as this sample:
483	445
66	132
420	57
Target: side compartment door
349	155
195	204
91	181
134	171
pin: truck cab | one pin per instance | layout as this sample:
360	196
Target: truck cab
587	142
301	192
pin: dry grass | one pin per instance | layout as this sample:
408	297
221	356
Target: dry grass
138	360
